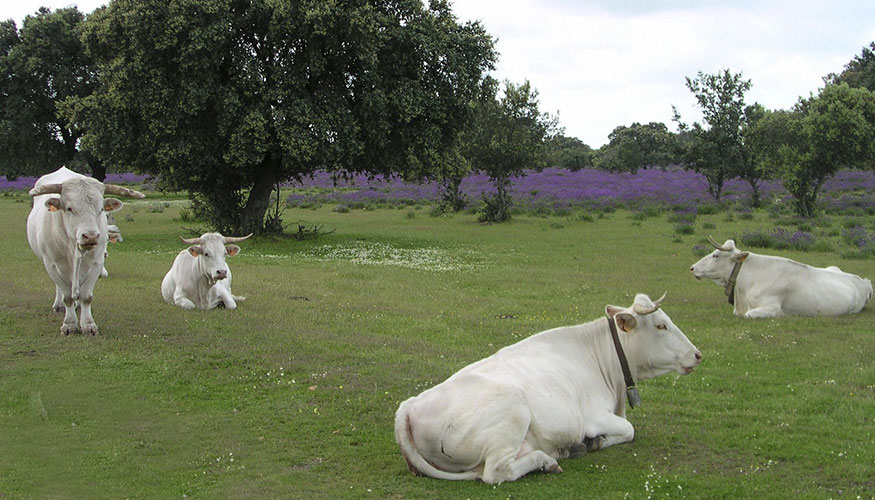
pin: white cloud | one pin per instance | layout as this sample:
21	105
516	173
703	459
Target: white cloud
603	63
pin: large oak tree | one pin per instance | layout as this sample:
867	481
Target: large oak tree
42	65
228	98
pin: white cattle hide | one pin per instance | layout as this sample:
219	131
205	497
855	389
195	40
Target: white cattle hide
769	286
553	395
200	278
67	229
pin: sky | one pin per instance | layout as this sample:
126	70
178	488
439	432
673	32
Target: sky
600	64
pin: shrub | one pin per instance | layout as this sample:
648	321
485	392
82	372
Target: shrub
700	250
684	228
779	238
707	209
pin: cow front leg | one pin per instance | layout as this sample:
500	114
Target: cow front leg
71	322
86	322
219	295
86	295
179	299
770	311
608	430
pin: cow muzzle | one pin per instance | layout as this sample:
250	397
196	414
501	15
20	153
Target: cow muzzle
220	274
698	359
88	240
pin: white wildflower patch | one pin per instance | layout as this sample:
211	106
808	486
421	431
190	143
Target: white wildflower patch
382	254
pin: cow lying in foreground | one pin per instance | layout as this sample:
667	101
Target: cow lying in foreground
67	229
766	286
554	395
199	277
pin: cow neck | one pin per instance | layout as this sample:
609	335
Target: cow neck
631	390
730	285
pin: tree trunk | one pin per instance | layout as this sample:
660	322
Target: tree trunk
98	170
754	192
252	218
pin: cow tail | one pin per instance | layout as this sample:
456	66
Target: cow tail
415	461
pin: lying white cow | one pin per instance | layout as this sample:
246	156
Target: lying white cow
554	395
67	229
766	286
199	277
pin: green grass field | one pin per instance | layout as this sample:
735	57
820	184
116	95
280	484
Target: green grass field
293	395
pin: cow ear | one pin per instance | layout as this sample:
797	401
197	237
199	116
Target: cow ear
625	321
741	257
232	250
195	250
53	204
611	311
112	204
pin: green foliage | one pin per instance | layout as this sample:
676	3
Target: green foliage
823	134
293	394
225	99
569	152
507	136
859	72
716	148
43	64
637	146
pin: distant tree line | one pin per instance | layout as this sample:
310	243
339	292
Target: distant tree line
228	99
802	147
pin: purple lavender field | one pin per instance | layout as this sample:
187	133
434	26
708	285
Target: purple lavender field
25	183
559	190
556	190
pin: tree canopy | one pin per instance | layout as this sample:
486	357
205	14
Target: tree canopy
637	146
569	152
508	135
227	98
859	72
42	65
823	134
715	148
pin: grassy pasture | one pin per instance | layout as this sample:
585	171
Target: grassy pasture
293	395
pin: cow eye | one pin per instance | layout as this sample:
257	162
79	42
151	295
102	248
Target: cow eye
661	327
206	254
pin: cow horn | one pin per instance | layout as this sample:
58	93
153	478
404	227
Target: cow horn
46	189
122	191
643	311
191	241
717	245
235	239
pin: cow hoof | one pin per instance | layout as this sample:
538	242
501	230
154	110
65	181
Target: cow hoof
90	330
68	329
553	469
594	443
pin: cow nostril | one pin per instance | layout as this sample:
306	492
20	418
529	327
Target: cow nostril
698	356
90	236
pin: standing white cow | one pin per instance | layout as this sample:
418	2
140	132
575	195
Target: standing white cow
199	277
67	229
764	286
554	395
